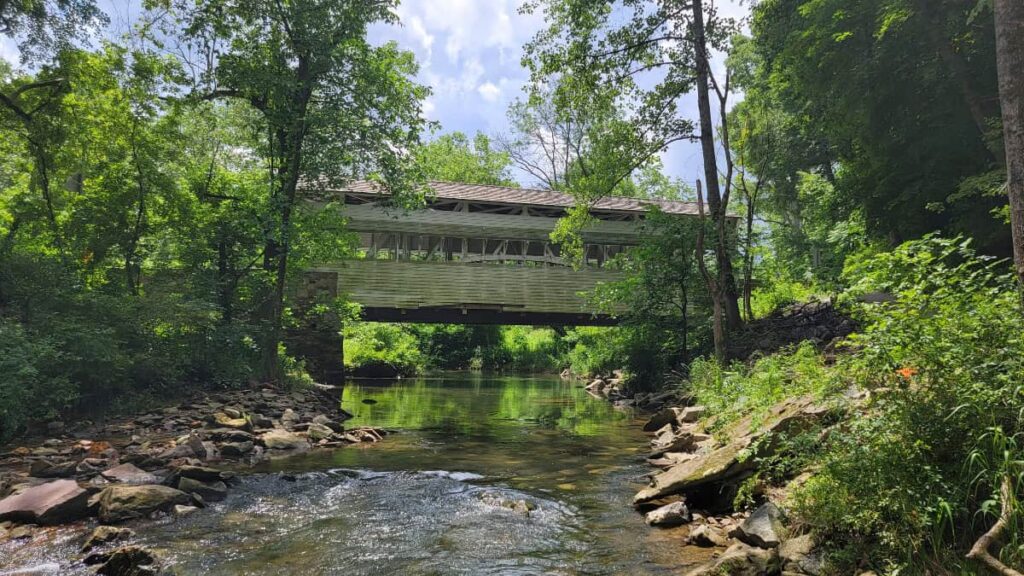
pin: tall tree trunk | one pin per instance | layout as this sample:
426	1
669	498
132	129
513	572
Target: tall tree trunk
718	310
291	140
225	281
684	303
1009	17
729	299
748	261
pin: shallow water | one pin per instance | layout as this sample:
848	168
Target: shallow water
433	498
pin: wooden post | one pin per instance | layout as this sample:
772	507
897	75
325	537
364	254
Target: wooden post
341	351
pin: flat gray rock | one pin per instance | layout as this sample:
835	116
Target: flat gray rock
52	503
129	474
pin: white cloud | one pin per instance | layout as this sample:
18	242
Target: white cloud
428	108
471	26
419	32
9	52
475	70
489	91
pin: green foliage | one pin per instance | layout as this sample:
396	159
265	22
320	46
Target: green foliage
894	103
662	301
96	347
778	293
595	350
151	222
911	484
528	349
908	483
381	349
457	347
739	390
455	158
41	27
33	386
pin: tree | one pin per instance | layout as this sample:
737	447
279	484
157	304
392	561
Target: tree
1009	22
454	158
549	137
45	26
654	54
333	107
894	104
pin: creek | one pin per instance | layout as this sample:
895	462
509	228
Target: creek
446	494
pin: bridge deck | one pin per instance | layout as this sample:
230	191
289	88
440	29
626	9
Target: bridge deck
469	292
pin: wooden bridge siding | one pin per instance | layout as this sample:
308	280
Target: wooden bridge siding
413	285
369	218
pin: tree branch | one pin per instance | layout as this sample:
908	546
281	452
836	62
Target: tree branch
980	551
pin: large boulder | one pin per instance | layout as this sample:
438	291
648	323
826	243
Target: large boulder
289	418
707	536
741	560
129	561
714	471
105	535
278	439
763	528
660	419
720	464
672	514
229	435
201	473
209	491
52	503
798	555
691	414
335	426
47	469
236	449
317	431
222	420
120	503
680	441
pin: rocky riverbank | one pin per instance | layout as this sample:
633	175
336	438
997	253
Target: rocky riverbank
166	462
699	475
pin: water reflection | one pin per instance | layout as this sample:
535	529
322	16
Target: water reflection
479	405
439	497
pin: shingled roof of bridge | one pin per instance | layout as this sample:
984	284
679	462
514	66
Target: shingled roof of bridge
533	197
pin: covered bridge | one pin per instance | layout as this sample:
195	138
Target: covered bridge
477	254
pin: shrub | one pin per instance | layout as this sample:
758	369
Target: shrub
381	349
528	349
32	386
740	389
594	350
779	293
455	346
910	485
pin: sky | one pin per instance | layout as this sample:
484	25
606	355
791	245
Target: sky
469	53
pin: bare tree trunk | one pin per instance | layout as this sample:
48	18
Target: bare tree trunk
1009	17
718	310
748	262
729	300
684	304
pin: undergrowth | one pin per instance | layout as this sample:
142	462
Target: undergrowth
911	478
